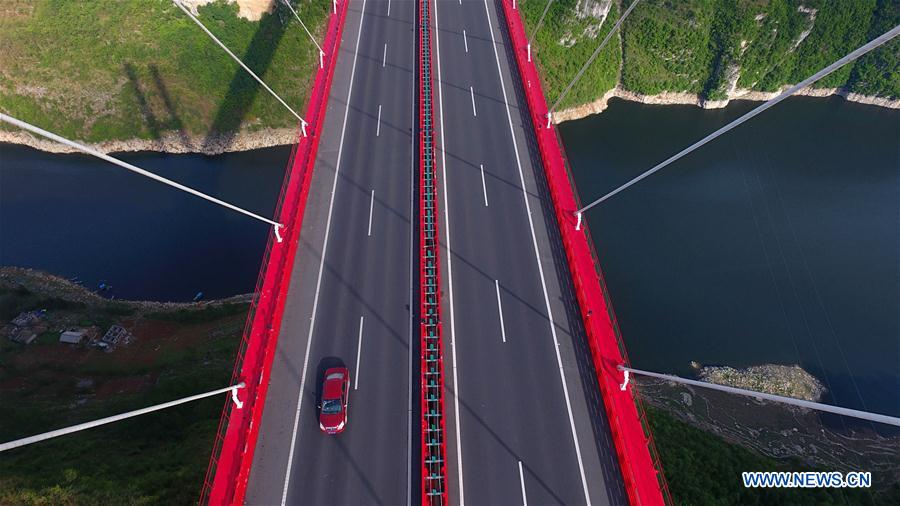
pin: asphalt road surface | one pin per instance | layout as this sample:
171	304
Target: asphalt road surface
527	425
351	286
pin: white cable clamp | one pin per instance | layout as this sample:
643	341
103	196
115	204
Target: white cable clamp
234	397
303	124
334	6
624	384
278	237
548	118
578	224
529	51
321	59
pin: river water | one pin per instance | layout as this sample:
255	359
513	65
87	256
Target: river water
76	216
777	243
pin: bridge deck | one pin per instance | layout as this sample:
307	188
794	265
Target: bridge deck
512	404
512	401
361	276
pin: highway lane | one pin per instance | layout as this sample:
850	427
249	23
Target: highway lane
351	305
527	418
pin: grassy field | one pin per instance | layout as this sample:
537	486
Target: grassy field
139	68
159	458
701	46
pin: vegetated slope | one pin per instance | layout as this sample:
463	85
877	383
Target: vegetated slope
701	468
713	47
571	31
157	458
141	68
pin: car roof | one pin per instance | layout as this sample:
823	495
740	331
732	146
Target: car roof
333	379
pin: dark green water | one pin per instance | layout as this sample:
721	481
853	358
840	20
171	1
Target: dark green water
777	243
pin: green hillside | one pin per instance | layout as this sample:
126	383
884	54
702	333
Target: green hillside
102	70
706	47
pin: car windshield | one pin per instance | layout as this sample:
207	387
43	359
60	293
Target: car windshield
331	406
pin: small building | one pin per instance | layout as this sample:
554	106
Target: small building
71	336
22	335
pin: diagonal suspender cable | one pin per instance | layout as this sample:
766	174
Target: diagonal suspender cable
874	43
238	60
43	133
289	6
818	406
594	56
541	20
115	418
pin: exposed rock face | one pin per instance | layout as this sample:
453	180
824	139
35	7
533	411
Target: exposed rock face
597	9
672	97
789	381
811	16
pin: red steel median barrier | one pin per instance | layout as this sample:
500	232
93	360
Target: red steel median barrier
431	365
638	460
232	456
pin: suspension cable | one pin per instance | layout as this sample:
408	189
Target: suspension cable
289	6
593	57
540	21
238	60
869	46
818	406
122	416
126	165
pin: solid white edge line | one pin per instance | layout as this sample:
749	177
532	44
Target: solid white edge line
500	310
537	256
440	87
409	402
483	185
371	208
474	112
465	40
378	123
384	56
522	481
312	323
358	355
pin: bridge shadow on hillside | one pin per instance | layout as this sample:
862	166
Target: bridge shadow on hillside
145	96
243	89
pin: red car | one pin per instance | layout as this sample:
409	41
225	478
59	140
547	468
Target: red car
335	394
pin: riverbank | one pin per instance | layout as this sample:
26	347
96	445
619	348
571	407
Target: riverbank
169	142
683	98
217	144
45	284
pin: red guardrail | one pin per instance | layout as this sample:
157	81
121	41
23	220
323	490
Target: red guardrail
232	456
431	363
638	461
